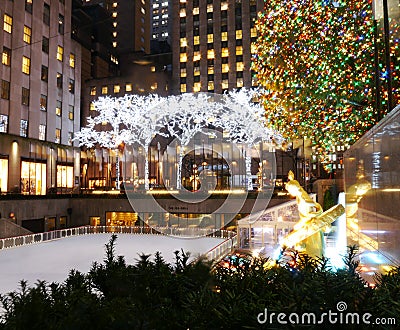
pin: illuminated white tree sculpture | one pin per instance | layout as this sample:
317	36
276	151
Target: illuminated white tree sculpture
137	119
243	119
143	120
106	128
188	115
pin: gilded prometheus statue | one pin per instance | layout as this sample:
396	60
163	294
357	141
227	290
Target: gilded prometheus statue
308	232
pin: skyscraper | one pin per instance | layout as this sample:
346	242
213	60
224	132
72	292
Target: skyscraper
211	44
130	21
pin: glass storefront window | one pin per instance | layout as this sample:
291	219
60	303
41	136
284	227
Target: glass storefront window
3	174
33	178
94	221
65	176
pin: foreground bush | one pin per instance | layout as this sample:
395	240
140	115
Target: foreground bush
153	294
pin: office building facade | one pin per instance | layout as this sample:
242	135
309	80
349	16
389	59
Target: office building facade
40	97
211	44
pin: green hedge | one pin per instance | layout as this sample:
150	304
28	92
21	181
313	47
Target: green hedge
153	294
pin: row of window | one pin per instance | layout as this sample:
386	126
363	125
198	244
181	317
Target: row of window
6	58
210	70
224	37
211	85
27	35
25	96
23	131
8	24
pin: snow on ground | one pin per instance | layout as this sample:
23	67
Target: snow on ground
52	260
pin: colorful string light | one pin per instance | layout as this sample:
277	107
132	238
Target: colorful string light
315	60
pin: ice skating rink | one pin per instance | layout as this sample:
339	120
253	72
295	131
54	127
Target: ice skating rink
52	260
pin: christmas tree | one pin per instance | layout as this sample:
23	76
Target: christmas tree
315	60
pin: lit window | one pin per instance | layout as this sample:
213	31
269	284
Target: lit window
253	48
42	132
224	84
183	88
224	36
182	57
196	11
128	87
196	56
239	50
43	102
44	74
224	5
115	24
104	90
58	136
239	66
27	34
239	82
71	112
225	68
196	71
72	60
3	123
71	86
117	89
23	130
210	85
224	52
61	24
58	108
59	80
60	53
143	10
8	21
210	70
209	8
6	56
183	42
253	32
239	34
210	54
182	12
154	86
183	72
91	106
210	38
26	65
196	40
196	87
114	34
153	68
28	6
114	44
115	4
70	139
114	59
114	14
93	90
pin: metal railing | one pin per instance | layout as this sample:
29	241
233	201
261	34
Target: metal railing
185	233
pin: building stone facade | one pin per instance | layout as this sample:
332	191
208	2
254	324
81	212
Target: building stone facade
40	97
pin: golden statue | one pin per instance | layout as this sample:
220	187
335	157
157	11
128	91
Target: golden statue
308	232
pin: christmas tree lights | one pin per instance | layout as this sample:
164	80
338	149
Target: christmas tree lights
315	60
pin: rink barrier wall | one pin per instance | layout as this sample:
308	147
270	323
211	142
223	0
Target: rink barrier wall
182	233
